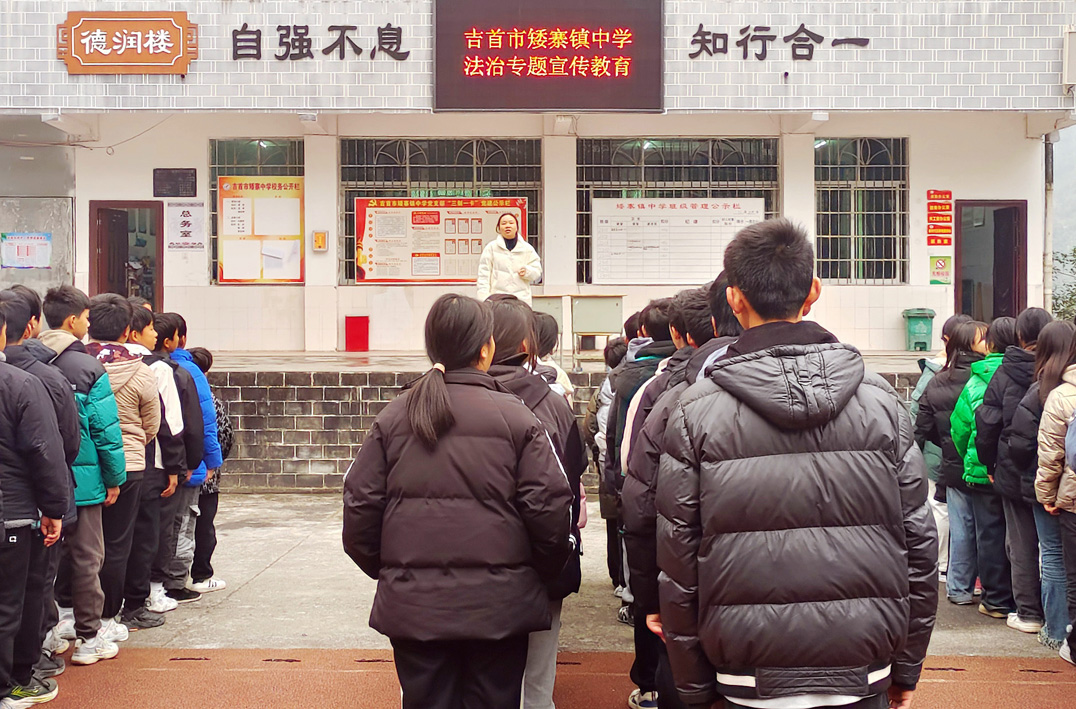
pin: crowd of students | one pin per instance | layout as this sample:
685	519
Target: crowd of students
111	444
768	526
993	414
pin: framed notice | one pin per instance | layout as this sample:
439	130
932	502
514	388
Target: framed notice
428	240
666	241
26	250
260	229
184	225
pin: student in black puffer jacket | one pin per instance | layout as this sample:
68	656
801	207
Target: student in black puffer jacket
993	421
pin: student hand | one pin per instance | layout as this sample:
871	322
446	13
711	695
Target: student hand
900	698
991	479
51	529
210	474
1051	509
111	495
173	481
653	623
188	476
522	273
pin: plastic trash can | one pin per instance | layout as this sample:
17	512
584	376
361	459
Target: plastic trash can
919	326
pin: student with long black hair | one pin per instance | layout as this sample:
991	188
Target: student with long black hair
457	505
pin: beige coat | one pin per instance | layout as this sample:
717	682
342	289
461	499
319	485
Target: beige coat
1055	483
137	399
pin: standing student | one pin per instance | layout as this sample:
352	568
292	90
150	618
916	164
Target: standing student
547	337
100	470
1051	358
508	263
462	557
34	489
793	525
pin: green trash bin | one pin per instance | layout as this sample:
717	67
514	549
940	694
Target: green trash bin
919	324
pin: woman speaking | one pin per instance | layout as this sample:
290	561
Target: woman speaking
508	264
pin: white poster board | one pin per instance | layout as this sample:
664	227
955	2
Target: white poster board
26	250
666	241
185	226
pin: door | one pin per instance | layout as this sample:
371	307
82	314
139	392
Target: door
991	258
111	252
126	248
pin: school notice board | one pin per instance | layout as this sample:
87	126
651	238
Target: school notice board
428	240
666	241
260	229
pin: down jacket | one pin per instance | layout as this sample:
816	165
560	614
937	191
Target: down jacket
1024	443
498	269
210	437
934	421
1055	482
962	422
461	538
137	400
798	552
100	463
994	420
59	391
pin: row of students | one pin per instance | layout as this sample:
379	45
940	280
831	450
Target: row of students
131	432
738	460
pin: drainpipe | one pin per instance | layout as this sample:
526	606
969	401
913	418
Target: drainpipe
1048	232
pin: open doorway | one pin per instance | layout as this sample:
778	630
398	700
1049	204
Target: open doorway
991	258
126	249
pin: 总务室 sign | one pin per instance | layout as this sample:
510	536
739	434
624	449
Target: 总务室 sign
562	55
428	240
127	42
185	226
26	250
260	229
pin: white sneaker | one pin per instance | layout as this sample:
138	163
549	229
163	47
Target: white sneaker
210	584
54	644
113	631
65	629
88	652
618	591
66	613
1015	622
1066	653
158	600
643	700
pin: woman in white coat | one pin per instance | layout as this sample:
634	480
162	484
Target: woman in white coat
508	263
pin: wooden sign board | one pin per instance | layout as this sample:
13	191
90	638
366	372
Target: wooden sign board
127	42
175	182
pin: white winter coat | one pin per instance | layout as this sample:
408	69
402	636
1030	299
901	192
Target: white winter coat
498	269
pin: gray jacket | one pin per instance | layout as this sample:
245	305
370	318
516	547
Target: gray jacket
798	552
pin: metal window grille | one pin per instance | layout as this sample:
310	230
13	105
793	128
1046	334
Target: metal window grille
670	167
861	195
437	168
253	157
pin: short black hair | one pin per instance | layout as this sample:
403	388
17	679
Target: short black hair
631	326
62	302
138	301
166	326
1001	334
140	318
691	315
772	263
725	322
546	334
615	349
16	313
950	325
202	357
655	319
110	316
1030	323
181	324
33	298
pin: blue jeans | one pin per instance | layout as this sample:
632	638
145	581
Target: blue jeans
963	559
1054	603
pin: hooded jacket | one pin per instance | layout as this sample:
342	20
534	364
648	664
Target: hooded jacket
1024	443
460	538
59	390
34	479
798	552
1055	482
931	452
962	424
193	433
100	463
934	422
994	421
137	401
210	441
166	452
498	269
556	416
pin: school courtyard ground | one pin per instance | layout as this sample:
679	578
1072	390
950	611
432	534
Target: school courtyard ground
291	631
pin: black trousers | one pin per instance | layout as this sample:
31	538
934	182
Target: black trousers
205	537
50	615
22	568
995	572
878	701
648	648
118	523
461	674
668	697
1068	549
146	537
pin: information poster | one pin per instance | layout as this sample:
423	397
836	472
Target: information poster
260	229
26	250
666	241
185	226
428	240
941	270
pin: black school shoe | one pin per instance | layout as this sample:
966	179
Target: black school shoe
142	619
49	665
183	595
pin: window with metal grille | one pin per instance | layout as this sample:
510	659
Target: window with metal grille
861	194
437	168
249	157
627	168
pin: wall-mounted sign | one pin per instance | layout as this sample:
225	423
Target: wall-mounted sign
184	226
557	55
260	229
319	241
26	250
178	182
940	195
941	270
127	42
939	218
754	42
294	43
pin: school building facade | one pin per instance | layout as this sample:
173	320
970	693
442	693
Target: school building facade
910	139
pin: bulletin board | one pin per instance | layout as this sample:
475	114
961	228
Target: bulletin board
435	240
260	229
666	241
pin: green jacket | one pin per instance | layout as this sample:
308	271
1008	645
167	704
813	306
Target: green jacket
963	419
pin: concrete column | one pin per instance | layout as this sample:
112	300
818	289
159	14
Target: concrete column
322	214
797	179
558	179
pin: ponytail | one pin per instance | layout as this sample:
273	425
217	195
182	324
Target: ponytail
428	407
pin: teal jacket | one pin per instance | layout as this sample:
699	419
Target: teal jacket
100	463
963	418
931	452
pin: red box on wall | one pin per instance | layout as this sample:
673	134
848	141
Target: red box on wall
357	333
